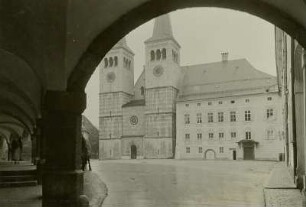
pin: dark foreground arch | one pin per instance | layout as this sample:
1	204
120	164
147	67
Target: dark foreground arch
133	18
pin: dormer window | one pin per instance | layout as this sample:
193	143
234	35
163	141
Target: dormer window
158	54
152	55
164	53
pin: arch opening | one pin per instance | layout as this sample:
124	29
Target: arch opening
132	19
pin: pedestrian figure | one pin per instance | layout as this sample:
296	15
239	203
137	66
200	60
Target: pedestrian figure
20	148
85	155
15	150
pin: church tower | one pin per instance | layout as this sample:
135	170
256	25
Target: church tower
162	75
116	89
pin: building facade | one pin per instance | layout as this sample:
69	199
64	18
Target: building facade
183	112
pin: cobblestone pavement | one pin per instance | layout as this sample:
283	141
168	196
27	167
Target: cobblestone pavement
178	183
280	190
284	198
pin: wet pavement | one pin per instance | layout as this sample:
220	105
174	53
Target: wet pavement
177	183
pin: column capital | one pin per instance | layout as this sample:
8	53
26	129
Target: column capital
74	102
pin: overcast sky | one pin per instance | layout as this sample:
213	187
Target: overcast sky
202	33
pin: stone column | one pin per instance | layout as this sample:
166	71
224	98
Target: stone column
62	176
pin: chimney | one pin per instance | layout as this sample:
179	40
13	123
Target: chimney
224	56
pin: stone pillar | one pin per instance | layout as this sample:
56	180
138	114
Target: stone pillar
62	176
303	63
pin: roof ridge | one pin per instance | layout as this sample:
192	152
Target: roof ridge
240	80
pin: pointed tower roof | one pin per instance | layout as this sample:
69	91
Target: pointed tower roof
162	29
122	44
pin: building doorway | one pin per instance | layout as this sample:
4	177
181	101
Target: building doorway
210	154
133	152
234	154
248	153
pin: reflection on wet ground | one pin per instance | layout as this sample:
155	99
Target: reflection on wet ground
176	183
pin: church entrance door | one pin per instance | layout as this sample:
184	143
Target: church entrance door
133	152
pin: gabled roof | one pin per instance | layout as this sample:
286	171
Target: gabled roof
133	103
221	77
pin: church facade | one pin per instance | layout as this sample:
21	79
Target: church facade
168	112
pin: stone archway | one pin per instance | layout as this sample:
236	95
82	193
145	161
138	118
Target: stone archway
146	10
210	154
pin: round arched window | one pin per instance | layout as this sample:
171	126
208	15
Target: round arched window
116	60
158	54
164	53
152	55
110	61
105	63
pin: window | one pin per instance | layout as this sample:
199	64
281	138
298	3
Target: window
174	56
269	113
187	149
152	55
247	115
187	137
199	118
198	104
110	61
129	64
210	135
187	105
232	101
270	134
233	116
142	90
199	136
158	54
221	149
210	117
220	102
220	116
116	60
248	135
209	103
221	135
187	119
247	100
200	150
233	135
105	62
269	98
164	53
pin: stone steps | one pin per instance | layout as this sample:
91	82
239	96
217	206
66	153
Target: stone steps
18	176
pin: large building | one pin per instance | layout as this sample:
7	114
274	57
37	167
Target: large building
226	109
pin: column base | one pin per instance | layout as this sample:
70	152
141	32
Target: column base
63	189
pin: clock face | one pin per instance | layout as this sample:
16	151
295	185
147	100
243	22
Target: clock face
158	71
134	120
111	77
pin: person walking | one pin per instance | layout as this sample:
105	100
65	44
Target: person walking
85	154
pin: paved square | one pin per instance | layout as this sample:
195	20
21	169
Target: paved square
180	183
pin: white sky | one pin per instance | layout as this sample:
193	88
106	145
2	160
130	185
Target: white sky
202	33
